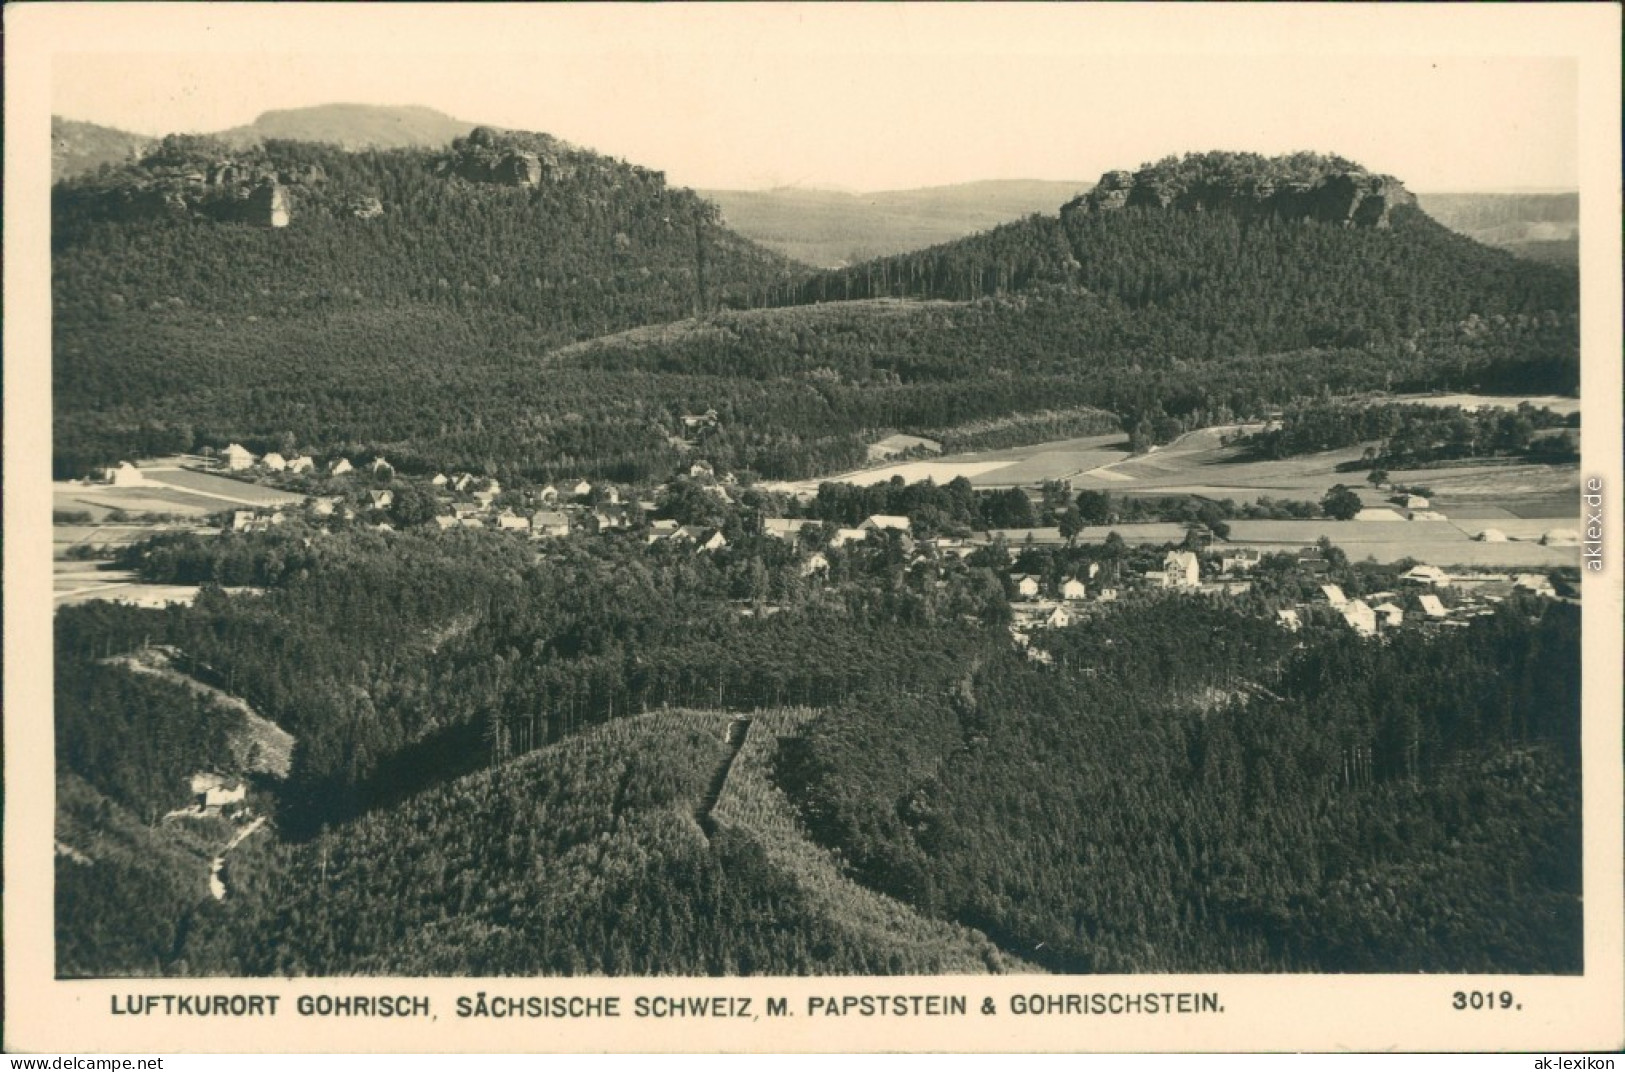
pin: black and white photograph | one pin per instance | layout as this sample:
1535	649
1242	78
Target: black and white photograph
906	495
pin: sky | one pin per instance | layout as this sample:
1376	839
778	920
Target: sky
880	96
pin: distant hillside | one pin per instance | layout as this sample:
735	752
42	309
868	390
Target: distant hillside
834	229
353	126
204	277
830	229
80	147
428	304
1538	226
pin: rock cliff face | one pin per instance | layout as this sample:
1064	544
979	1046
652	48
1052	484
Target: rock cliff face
1302	186
506	159
198	178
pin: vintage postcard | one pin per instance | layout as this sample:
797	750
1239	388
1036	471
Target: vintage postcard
796	527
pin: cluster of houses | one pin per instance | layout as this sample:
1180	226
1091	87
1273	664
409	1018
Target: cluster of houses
1472	595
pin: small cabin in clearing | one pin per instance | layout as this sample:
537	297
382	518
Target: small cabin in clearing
216	790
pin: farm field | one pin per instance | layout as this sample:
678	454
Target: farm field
1439	543
219	487
1556	403
100	500
1199	464
74	581
81	582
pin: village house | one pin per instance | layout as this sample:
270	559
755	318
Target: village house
703	539
816	563
611	516
379	465
302	464
274	462
1074	589
1422	574
462	482
1182	569
381	498
693	422
1360	617
239	457
438	480
785	528
702	471
663	527
1535	583
445	521
324	505
1431	606
1289	620
1241	560
1333	595
1026	585
843	537
340	466
581	489
509	521
242	520
549	523
1390	614
882	522
1106	595
465	508
548	494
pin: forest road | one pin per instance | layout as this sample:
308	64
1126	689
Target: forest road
738	729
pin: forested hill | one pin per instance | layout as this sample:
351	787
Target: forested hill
426	303
186	279
1343	244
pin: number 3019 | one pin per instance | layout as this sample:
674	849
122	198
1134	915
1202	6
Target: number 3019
1484	999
